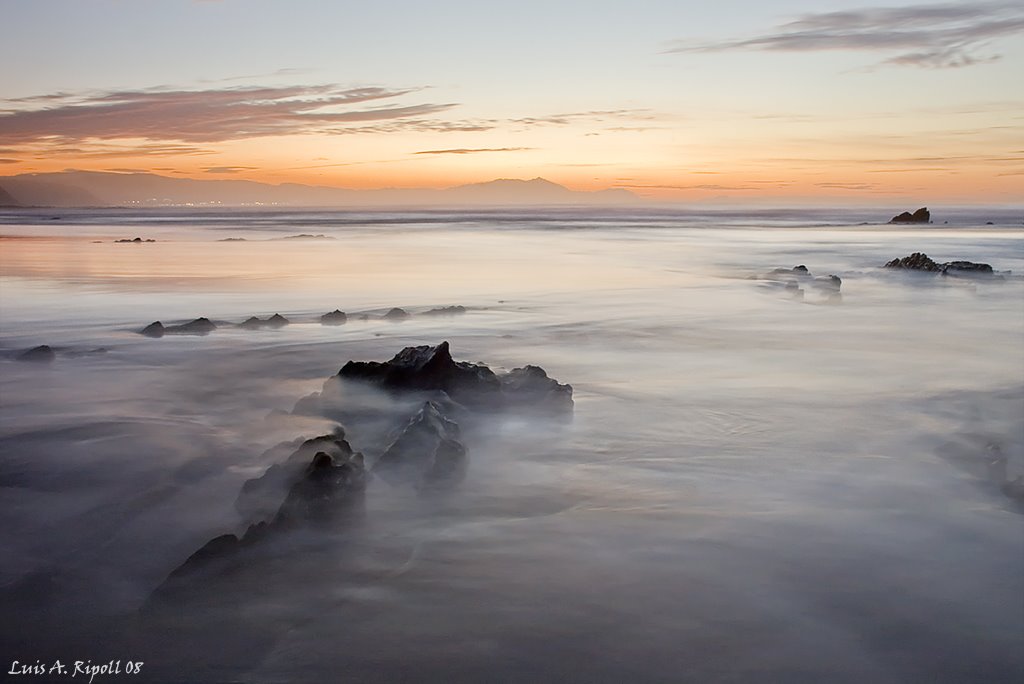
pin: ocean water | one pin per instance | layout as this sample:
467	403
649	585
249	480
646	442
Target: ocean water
754	486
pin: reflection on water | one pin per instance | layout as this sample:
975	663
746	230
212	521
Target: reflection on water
754	488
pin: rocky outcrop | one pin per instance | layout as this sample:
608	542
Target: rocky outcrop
261	497
396	314
322	482
136	241
40	354
427	452
445	311
336	317
200	326
919	261
428	369
922	215
275	321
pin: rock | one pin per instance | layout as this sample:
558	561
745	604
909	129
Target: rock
260	498
40	354
396	314
200	326
531	386
445	311
335	317
275	321
918	261
832	283
427	452
920	216
966	268
154	329
136	241
330	490
427	368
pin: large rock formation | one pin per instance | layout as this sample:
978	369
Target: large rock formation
323	481
922	215
427	368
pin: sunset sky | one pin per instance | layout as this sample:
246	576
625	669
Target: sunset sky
734	99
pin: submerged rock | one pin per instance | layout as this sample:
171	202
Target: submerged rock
396	314
966	268
154	329
336	317
40	354
255	323
922	215
445	311
427	451
261	497
200	326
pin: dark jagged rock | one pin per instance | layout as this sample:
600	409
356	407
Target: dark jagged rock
200	326
261	497
922	215
918	261
336	317
275	321
427	368
445	311
530	385
330	490
40	354
427	452
154	329
966	268
396	314
136	241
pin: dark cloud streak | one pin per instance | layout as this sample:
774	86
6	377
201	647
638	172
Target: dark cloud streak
198	116
929	36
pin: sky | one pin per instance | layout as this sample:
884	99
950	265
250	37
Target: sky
732	100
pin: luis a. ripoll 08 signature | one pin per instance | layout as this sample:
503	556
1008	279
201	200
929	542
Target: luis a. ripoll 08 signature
77	668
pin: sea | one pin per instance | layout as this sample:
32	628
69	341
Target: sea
759	483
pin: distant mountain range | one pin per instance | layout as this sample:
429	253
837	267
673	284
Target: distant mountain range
105	189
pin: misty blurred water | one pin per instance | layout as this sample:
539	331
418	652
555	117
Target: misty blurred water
754	487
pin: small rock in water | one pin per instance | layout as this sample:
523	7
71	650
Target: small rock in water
154	329
922	215
445	311
136	241
40	354
200	326
275	321
336	317
918	261
427	452
396	314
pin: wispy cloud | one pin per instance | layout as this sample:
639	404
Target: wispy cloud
687	187
475	150
199	116
228	169
10	161
933	36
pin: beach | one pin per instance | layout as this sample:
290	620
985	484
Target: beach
754	485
